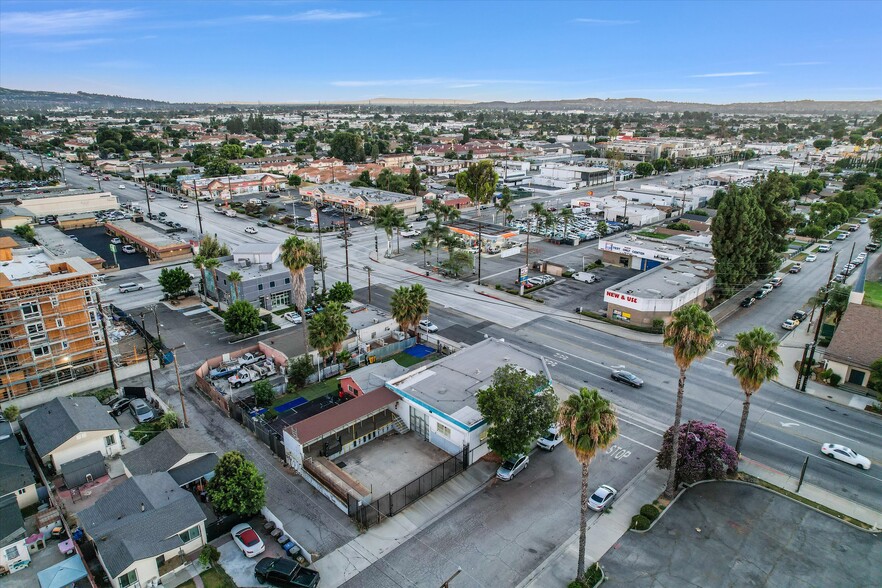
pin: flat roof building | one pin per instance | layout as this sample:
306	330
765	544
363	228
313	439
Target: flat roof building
361	200
158	246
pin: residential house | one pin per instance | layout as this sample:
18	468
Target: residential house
16	477
856	344
185	454
68	428
395	160
143	529
370	377
14	555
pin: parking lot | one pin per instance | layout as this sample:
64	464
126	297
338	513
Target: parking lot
96	239
725	534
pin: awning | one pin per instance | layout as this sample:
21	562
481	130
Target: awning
62	574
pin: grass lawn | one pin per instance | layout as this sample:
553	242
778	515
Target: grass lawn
405	360
214	577
799	257
652	234
873	294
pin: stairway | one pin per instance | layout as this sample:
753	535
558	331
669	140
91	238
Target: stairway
399	425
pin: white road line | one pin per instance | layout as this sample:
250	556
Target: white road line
784	444
654	449
865	432
656	433
817	454
811	426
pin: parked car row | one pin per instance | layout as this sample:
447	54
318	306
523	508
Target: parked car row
794	320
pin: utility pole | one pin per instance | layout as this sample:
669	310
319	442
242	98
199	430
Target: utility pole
318	219
198	212
806	365
107	341
480	248
147	345
368	269
180	388
146	191
346	242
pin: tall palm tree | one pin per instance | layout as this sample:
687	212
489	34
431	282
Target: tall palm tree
436	207
754	361
451	213
235	279
537	209
296	255
587	423
452	242
328	330
436	231
549	219
211	264
390	219
199	263
690	335
503	203
409	304
425	243
566	216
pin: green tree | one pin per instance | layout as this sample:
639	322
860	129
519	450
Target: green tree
218	166
26	232
231	151
690	335
837	301
425	245
328	330
237	487
774	196
754	362
436	232
644	168
11	413
235	278
518	407
876	228
211	266
264	394
874	384
413	181
209	556
390	219
409	304
341	292
478	182
174	281
736	240
210	247
587	424
241	318
169	420
661	165
602	228
614	158
299	371
297	254
347	146
503	203
295	180
822	144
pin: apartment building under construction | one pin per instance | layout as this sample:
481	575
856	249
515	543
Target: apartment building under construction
50	329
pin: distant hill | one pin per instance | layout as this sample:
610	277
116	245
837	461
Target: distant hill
644	105
39	100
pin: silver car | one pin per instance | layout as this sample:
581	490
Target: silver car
512	467
141	411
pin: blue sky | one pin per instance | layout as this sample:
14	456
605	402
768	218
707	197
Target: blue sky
295	51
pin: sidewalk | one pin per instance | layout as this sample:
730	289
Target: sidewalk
346	562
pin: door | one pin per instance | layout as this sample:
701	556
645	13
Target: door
856	377
418	423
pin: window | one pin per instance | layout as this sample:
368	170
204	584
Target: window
36	331
96	335
442	430
110	440
12	553
287	280
89	297
53	300
260	286
23	491
30	310
59	322
65	345
93	318
41	351
190	534
272	284
128	579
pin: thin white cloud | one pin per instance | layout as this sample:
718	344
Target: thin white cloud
119	64
430	82
69	45
309	16
62	22
752	85
604	21
464	85
729	74
802	63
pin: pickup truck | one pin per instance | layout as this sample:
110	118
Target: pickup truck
264	369
279	571
243	376
224	370
250	358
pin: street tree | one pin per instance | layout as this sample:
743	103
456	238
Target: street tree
264	394
390	219
821	144
212	247
874	384
237	487
614	158
698	452
241	318
425	245
644	168
503	203
690	335
297	254
587	424
413	181
876	228
736	240
341	292
409	304
519	407
26	232
328	329
174	281
754	362
436	232
478	182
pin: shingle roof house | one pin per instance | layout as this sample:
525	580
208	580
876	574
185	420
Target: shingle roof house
856	344
144	519
183	453
16	477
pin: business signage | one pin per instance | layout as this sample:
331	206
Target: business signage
523	274
640	252
313	215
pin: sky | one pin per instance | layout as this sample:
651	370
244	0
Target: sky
306	51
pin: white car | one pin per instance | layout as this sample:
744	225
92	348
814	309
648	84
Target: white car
512	467
410	233
251	230
602	497
551	439
843	453
428	326
768	287
247	540
128	249
121	186
183	205
789	324
293	317
811	257
116	241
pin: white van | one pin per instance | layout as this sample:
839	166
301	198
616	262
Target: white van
586	277
130	287
230	213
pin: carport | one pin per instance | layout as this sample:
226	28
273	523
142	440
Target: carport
157	246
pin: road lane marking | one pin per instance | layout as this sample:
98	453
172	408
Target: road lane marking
653	449
798	423
829	419
831	462
641	427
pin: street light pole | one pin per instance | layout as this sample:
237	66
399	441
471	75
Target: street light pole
346	242
368	269
180	388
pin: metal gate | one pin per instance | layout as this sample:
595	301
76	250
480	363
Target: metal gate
418	423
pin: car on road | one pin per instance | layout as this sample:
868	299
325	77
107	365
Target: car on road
841	236
512	466
864	221
422	217
839	278
811	257
293	317
119	405
130	287
129	249
795	268
410	233
247	540
789	324
799	315
768	287
122	187
843	453
626	378
551	439
428	326
748	302
141	411
602	498
823	248
760	294
280	571
251	230
777	282
262	224
183	205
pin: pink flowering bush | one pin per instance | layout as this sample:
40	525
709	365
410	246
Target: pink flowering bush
703	453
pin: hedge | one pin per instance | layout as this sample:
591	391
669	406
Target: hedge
650	511
640	522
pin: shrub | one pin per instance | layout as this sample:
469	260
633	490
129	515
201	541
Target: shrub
209	555
835	379
658	325
650	511
11	413
640	522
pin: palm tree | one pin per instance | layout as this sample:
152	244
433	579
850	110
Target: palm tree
436	232
566	216
503	203
199	263
425	243
537	209
691	336
550	219
452	242
296	255
409	305
328	330
587	423
754	361
436	207
390	219
235	279
451	213
211	264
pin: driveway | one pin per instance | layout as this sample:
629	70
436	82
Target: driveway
724	534
239	567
